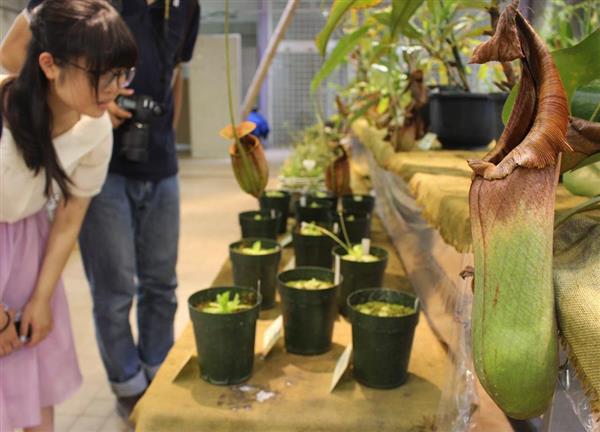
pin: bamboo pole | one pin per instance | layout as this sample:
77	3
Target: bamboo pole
265	61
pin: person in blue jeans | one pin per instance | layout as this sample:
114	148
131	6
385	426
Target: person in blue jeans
129	237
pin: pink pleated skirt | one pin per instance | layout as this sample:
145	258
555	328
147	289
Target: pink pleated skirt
47	374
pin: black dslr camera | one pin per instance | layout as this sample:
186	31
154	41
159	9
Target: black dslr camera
136	131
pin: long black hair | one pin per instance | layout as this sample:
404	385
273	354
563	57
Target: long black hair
69	30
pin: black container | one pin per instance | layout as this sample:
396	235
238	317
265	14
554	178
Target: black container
359	275
324	196
322	214
225	342
308	315
312	251
356	203
282	204
382	345
266	227
357	229
466	120
258	272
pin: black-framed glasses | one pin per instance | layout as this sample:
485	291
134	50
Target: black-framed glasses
124	77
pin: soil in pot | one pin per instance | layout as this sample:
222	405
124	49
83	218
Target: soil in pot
382	337
260	224
224	320
359	271
308	299
312	248
255	263
278	200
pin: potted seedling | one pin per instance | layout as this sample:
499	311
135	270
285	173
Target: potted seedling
311	209
255	263
360	265
224	320
357	224
308	299
312	247
280	201
358	203
260	224
383	327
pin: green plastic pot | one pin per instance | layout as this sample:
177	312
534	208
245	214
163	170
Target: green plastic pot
312	251
265	228
357	229
225	342
382	345
308	315
359	275
322	214
258	272
356	203
282	204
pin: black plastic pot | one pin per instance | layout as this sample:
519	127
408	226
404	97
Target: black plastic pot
358	203
359	275
382	345
312	251
324	196
258	272
282	204
266	227
308	315
225	342
466	120
321	214
357	229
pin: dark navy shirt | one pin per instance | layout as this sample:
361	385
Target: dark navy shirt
146	24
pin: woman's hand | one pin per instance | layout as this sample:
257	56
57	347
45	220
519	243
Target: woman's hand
36	320
9	339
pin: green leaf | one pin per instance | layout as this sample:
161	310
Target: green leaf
577	65
402	12
338	55
586	101
336	13
586	205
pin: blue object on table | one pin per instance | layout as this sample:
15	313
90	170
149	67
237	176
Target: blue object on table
262	127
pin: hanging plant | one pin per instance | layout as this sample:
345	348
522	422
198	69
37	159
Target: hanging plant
248	159
337	175
515	341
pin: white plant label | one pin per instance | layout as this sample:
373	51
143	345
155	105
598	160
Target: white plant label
336	228
358	198
271	335
340	367
273	215
303	201
336	277
309	164
366	245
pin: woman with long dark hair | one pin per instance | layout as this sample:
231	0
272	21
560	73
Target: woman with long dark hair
55	147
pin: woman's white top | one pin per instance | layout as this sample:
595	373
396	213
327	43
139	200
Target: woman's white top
84	153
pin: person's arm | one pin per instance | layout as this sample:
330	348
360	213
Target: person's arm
177	94
14	45
37	314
